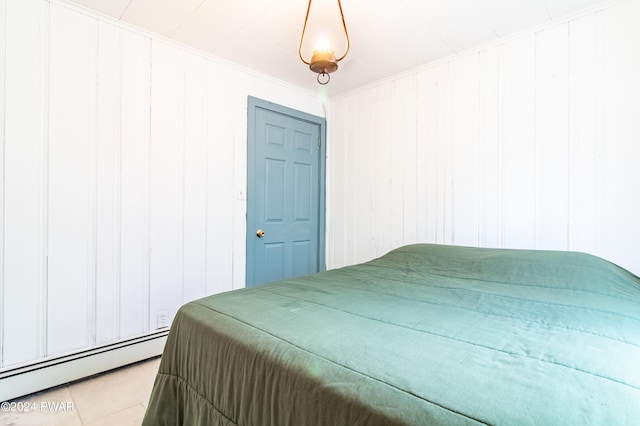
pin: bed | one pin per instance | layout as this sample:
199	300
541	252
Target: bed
426	334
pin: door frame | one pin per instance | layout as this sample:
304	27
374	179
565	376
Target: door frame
253	104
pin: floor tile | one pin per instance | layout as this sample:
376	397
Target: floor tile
52	408
119	397
131	416
110	393
118	377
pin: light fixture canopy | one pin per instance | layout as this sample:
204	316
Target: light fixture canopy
323	61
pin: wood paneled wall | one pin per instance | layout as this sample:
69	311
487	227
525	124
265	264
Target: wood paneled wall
124	164
123	177
532	142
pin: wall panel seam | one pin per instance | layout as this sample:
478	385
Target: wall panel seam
147	206
600	126
537	123
570	123
43	182
500	141
480	184
3	37
182	187
450	206
482	225
117	189
205	193
92	242
234	153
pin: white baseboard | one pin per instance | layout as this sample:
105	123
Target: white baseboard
57	371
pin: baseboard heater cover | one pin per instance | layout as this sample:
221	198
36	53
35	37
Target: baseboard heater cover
57	371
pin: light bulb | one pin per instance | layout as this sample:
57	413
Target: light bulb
323	45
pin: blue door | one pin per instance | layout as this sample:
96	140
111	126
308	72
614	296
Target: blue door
285	194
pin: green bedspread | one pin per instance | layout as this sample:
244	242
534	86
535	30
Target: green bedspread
426	334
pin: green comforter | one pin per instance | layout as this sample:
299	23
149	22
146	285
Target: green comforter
426	334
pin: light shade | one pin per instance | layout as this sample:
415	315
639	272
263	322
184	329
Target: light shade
323	61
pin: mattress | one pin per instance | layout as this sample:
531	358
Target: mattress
426	334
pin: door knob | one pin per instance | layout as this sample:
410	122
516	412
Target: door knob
260	233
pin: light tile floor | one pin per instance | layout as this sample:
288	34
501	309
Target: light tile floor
118	397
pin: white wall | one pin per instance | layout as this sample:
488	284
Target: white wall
533	142
123	177
124	164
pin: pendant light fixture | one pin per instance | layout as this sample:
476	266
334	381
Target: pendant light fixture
323	61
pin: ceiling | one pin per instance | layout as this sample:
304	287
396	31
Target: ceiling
387	37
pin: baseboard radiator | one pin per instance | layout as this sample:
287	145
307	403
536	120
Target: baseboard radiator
57	371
